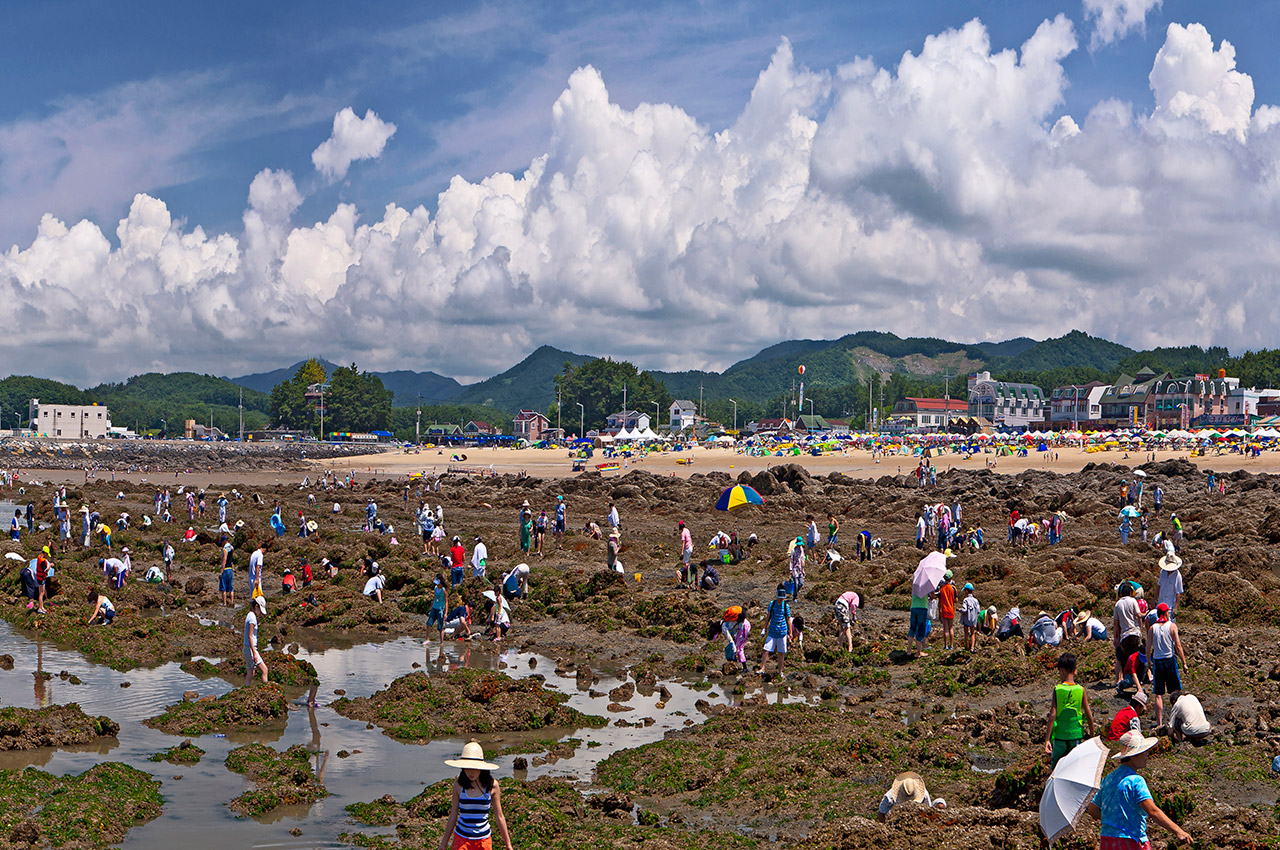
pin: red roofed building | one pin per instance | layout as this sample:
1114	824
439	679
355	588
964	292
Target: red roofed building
925	414
530	424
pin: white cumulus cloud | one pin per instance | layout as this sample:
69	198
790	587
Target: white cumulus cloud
353	138
1114	19
947	194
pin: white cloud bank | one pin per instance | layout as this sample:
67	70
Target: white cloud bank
947	196
353	138
1114	19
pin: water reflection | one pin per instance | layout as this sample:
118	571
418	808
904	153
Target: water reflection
195	813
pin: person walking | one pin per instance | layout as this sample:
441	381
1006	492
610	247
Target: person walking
253	658
779	630
1069	713
1126	630
1166	650
795	566
688	570
947	610
846	615
526	528
970	611
1169	587
1124	804
479	558
560	522
1158	499
539	533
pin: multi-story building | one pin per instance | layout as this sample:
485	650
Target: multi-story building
1077	405
1006	404
530	425
683	414
1130	401
1195	401
628	420
72	421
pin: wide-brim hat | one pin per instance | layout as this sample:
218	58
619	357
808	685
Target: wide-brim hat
261	602
1169	563
1133	743
472	757
526	504
311	525
1083	617
908	787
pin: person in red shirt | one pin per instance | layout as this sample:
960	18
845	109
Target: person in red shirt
43	569
306	573
947	610
1013	521
287	582
1127	718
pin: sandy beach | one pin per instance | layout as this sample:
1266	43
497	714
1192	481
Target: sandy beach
556	463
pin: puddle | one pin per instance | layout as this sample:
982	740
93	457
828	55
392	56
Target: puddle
195	813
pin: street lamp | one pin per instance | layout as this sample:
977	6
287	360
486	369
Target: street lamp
582	420
810	400
657	412
734	401
164	428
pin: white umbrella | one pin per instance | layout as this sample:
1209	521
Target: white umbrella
1140	473
1071	787
1130	510
929	574
14	556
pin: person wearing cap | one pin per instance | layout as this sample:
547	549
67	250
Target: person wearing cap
1187	720
1124	804
970	611
1166	650
457	556
257	559
780	628
475	795
947	609
439	605
688	569
525	521
1129	718
288	584
560	521
252	658
479	558
1169	584
377	581
907	787
1069	713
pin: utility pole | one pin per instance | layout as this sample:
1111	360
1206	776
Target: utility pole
582	421
240	406
558	428
735	415
657	413
417	428
624	407
946	401
701	410
322	411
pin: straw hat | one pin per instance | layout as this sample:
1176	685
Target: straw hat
311	525
1132	743
908	788
1083	617
472	757
1170	563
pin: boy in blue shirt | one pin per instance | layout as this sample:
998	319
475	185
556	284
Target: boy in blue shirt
778	630
1124	803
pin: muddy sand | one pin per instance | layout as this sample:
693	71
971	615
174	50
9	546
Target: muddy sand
763	770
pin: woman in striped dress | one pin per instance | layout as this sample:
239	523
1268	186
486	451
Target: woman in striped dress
475	794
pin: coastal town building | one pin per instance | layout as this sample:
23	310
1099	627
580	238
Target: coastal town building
683	414
476	427
530	425
628	420
1192	402
919	415
1077	406
1008	405
1130	402
72	421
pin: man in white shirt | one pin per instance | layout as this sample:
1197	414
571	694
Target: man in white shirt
255	568
373	587
1187	720
614	520
479	557
252	658
1169	584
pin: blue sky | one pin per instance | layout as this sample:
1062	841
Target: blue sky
188	104
491	70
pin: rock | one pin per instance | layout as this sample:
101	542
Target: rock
520	763
623	692
295	832
190	696
342	692
618	707
24	833
194	586
343	754
6	663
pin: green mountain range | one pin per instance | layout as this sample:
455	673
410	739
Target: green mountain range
836	377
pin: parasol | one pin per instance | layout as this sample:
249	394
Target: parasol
1071	787
737	496
929	574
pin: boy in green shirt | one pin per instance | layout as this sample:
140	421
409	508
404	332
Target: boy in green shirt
1068	713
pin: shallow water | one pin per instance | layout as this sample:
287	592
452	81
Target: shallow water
195	812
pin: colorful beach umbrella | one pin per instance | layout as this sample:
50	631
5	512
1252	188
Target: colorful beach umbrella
737	496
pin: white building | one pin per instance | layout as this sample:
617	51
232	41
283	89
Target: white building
72	421
629	420
1005	404
684	414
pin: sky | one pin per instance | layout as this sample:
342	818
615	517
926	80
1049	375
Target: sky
232	187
